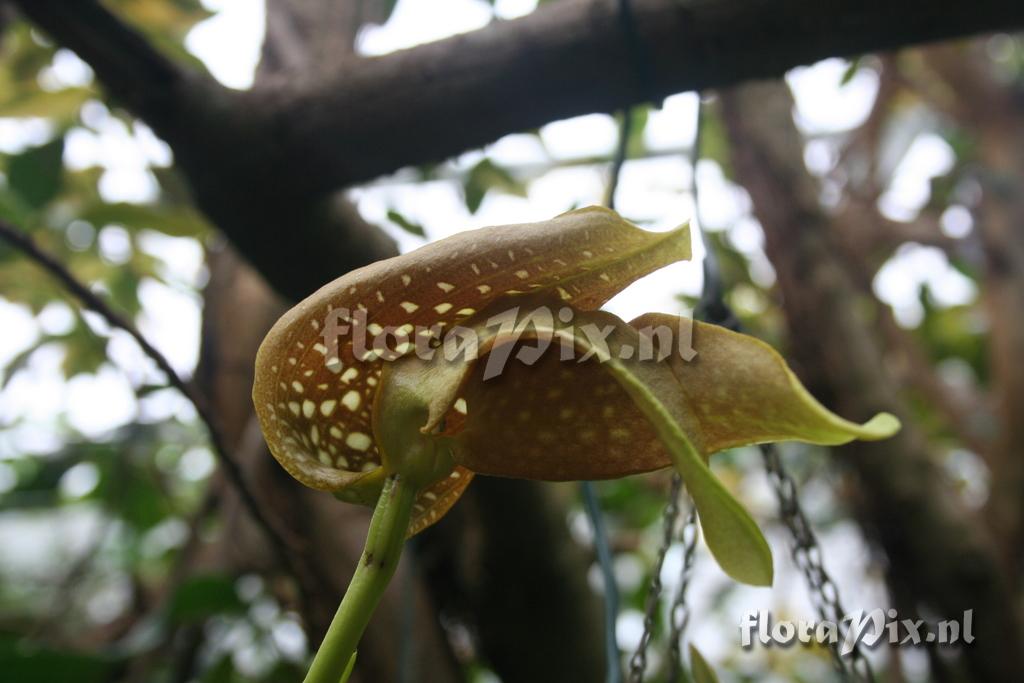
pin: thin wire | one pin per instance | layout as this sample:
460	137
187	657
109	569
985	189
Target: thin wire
679	613
621	151
613	669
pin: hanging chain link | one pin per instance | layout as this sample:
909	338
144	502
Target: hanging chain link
807	556
805	550
679	614
638	662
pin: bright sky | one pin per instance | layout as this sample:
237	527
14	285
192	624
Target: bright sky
652	192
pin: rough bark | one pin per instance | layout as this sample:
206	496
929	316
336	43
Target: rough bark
261	162
941	561
992	112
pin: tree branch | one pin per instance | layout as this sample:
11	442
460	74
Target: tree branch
262	163
227	145
571	58
78	290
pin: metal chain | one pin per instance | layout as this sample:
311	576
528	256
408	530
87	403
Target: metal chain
805	550
679	613
638	662
807	555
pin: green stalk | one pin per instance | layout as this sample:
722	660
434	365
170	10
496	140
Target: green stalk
380	557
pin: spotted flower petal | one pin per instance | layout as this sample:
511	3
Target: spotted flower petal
556	420
647	395
631	407
315	388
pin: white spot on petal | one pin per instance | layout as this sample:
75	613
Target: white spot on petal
351	400
358	441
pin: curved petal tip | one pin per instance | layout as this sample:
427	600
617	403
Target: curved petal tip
881	426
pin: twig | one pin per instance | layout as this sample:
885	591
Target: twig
231	467
611	589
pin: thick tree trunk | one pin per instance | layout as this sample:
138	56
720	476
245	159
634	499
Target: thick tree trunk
941	560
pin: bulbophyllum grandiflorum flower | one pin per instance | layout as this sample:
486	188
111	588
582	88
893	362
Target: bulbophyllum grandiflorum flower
486	353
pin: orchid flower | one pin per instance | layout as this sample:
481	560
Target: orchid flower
359	390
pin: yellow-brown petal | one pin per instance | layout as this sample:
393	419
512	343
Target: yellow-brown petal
565	420
314	396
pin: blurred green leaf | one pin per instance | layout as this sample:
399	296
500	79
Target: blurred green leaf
714	141
406	224
84	351
61	105
850	72
18	362
635	145
631	500
177	221
24	663
203	596
390	5
702	672
221	672
486	176
36	174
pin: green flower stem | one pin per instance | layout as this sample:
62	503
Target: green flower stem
380	557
